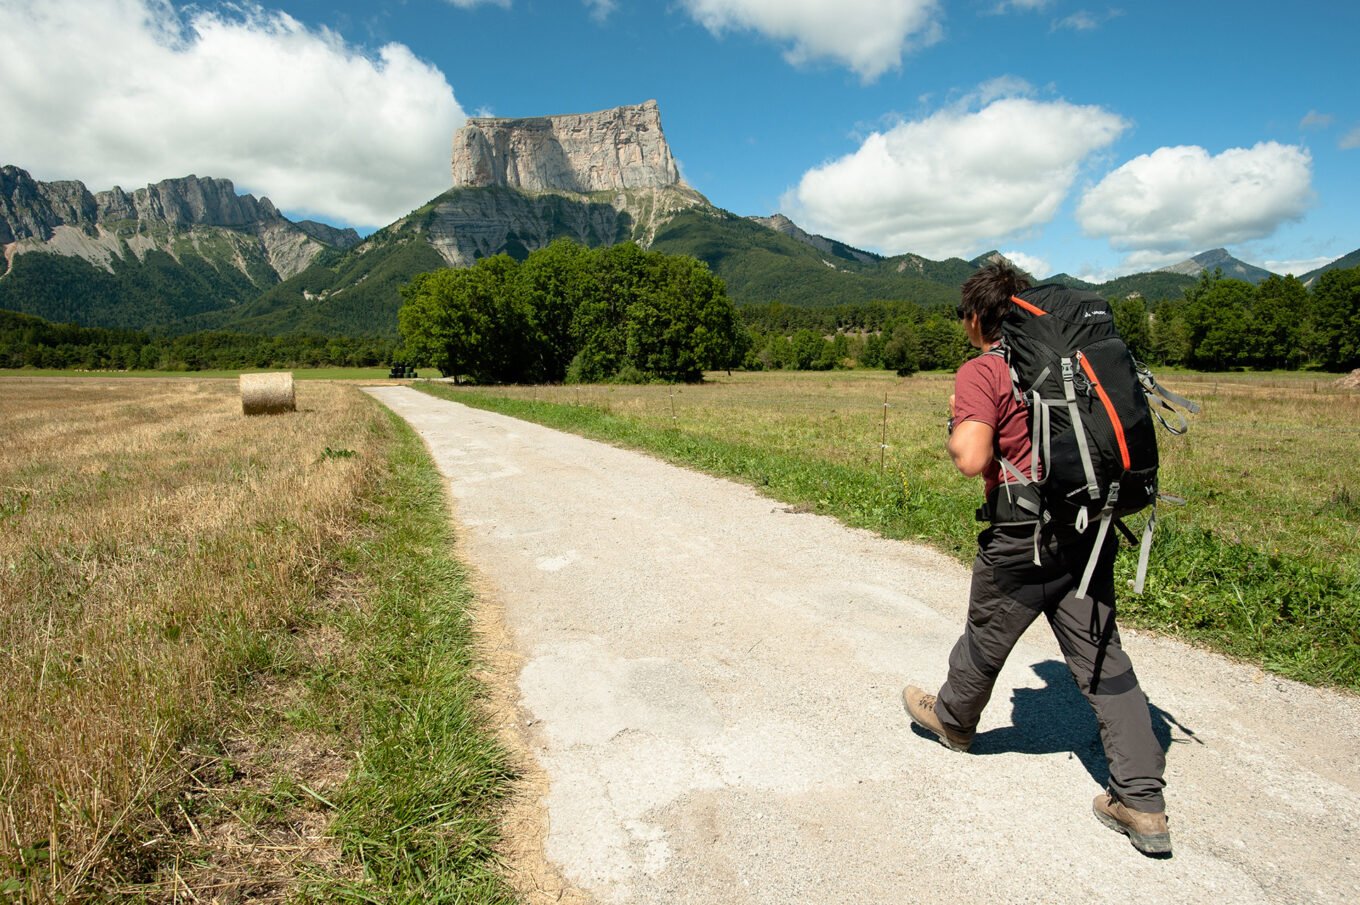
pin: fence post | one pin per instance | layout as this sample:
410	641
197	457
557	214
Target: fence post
883	441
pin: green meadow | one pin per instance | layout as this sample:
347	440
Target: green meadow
1260	563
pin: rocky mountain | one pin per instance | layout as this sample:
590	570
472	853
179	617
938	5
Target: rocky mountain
190	253
783	225
172	249
1345	262
615	149
177	216
1219	259
518	184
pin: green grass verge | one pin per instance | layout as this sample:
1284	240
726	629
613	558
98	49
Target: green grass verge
419	811
1295	617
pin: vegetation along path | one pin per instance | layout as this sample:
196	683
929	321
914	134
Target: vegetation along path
711	683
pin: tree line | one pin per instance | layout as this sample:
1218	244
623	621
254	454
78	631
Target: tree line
575	314
1280	323
30	342
1216	324
900	336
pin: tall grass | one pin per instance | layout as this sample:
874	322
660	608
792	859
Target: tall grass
155	549
1261	563
165	567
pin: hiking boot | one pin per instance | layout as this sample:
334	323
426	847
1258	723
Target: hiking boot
921	709
1147	832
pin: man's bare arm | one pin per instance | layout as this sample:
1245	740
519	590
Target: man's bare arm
970	446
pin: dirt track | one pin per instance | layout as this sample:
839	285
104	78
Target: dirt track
711	685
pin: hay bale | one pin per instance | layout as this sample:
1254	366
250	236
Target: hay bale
267	394
1351	381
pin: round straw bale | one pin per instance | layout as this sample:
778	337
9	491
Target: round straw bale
267	394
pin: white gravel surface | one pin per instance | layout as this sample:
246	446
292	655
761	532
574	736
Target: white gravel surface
712	685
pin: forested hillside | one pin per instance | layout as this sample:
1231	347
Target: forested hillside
30	342
760	266
154	291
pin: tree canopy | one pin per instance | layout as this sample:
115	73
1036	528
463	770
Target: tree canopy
572	313
1225	323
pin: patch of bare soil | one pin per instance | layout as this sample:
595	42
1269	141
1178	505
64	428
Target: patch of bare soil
253	819
524	822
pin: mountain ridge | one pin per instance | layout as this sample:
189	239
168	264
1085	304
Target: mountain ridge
190	253
1218	259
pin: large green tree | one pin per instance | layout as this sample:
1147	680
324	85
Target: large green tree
468	322
1337	319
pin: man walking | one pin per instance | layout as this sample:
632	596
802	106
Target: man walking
1019	576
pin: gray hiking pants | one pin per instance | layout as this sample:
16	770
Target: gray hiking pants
1009	592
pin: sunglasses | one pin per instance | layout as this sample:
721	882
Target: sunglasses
960	313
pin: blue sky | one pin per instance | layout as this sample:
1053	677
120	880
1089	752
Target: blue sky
1075	136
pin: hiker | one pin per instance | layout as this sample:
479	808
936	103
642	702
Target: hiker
1025	568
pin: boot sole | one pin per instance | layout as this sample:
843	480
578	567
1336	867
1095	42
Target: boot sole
1156	845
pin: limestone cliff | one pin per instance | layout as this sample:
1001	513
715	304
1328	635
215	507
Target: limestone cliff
518	184
202	217
612	150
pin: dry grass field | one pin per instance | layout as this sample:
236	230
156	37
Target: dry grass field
157	550
206	620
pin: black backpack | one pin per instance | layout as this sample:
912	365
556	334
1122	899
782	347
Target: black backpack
1091	408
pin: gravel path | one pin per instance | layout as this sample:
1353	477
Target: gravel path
711	683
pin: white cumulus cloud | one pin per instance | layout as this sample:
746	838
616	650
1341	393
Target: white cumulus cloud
600	9
1034	266
869	36
1351	140
126	92
956	182
1183	199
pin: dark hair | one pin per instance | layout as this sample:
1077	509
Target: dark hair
987	294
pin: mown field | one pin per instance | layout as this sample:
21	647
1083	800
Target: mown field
365	374
1261	563
236	654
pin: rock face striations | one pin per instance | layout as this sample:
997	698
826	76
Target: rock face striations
188	216
620	148
518	184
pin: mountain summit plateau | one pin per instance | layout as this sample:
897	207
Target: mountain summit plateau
619	148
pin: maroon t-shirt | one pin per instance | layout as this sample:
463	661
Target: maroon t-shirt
982	392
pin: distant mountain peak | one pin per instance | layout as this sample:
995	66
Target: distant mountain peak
782	224
66	218
993	257
1219	259
1345	262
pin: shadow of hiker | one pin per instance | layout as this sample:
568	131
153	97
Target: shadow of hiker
1056	718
